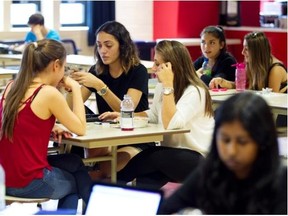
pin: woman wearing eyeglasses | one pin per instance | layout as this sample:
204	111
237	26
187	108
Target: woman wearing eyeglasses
262	68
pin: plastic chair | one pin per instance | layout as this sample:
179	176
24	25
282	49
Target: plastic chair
146	49
5	46
70	46
12	199
12	42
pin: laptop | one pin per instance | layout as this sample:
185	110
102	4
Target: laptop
92	118
115	199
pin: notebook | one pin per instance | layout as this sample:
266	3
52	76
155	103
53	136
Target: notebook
115	199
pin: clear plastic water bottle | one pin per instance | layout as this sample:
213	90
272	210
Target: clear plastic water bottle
206	68
240	77
2	188
127	114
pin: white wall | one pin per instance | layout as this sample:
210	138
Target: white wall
136	15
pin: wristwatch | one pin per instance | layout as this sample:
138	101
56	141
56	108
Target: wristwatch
103	90
167	90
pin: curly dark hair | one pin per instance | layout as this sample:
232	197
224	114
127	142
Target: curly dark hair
128	51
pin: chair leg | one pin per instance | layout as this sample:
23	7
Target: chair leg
39	205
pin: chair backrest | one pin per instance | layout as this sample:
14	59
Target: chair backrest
70	46
146	49
12	42
5	46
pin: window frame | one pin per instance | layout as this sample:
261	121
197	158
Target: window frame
42	9
38	9
84	14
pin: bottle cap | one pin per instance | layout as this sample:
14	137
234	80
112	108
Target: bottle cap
239	65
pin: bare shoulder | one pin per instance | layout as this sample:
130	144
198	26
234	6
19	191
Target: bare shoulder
278	68
50	91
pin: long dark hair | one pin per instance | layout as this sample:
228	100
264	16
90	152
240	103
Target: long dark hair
36	57
128	51
255	115
217	32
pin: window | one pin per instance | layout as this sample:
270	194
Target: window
22	10
72	13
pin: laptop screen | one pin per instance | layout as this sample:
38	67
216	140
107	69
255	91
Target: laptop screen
113	199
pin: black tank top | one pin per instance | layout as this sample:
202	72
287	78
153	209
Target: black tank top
283	84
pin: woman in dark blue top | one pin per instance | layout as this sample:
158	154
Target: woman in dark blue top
214	50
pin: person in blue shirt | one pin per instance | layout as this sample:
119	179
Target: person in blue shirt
38	30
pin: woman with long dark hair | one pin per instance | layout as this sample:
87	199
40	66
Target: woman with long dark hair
215	55
242	173
118	71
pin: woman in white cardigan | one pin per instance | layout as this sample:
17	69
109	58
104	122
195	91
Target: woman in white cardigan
181	100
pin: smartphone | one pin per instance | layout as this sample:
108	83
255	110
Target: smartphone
71	69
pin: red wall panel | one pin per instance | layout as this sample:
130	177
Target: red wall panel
249	13
165	23
183	18
196	15
186	19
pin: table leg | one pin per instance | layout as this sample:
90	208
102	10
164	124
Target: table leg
114	164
